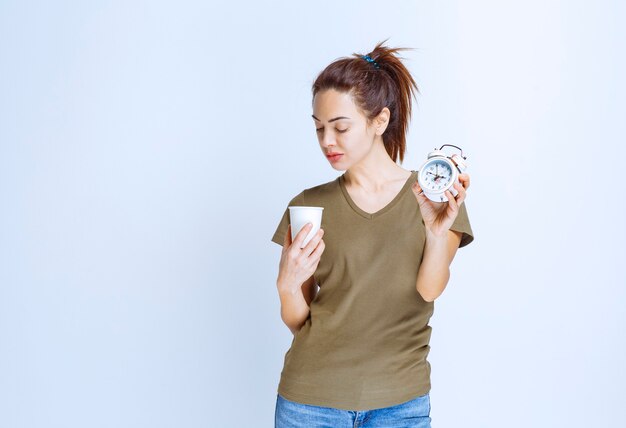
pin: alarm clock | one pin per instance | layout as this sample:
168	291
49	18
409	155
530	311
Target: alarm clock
440	172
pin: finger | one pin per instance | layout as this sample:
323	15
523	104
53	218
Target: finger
302	234
465	179
451	200
462	192
460	196
315	255
310	246
417	190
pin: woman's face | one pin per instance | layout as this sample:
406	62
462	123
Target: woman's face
341	128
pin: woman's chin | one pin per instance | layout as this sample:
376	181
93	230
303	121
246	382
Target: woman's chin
338	167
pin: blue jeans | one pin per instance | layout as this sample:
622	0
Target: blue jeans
411	414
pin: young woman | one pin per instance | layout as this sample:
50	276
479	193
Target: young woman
360	346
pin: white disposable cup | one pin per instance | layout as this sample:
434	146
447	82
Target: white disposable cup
300	216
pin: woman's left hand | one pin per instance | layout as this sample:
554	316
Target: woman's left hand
439	216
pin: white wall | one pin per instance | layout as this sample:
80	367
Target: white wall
148	150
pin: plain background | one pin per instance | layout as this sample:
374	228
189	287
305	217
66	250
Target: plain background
148	150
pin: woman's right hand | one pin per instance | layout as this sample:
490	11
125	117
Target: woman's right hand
299	264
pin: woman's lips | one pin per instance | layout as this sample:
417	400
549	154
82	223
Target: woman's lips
335	157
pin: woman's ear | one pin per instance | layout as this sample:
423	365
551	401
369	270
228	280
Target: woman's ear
382	121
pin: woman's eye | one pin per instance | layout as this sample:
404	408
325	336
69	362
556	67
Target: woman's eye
338	130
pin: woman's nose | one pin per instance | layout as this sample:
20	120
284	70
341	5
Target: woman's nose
328	140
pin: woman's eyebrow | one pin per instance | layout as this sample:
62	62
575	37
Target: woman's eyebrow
331	120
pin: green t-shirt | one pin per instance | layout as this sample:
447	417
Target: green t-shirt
365	342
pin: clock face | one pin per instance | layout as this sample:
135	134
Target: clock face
437	175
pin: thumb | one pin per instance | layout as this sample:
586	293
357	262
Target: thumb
417	190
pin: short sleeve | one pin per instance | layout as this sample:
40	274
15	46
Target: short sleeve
281	230
462	224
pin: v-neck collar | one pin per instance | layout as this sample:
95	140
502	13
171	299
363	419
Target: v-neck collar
384	209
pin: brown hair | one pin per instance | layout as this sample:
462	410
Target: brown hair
372	88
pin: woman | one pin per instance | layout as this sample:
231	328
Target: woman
360	346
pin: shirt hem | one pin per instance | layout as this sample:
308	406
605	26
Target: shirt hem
393	399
